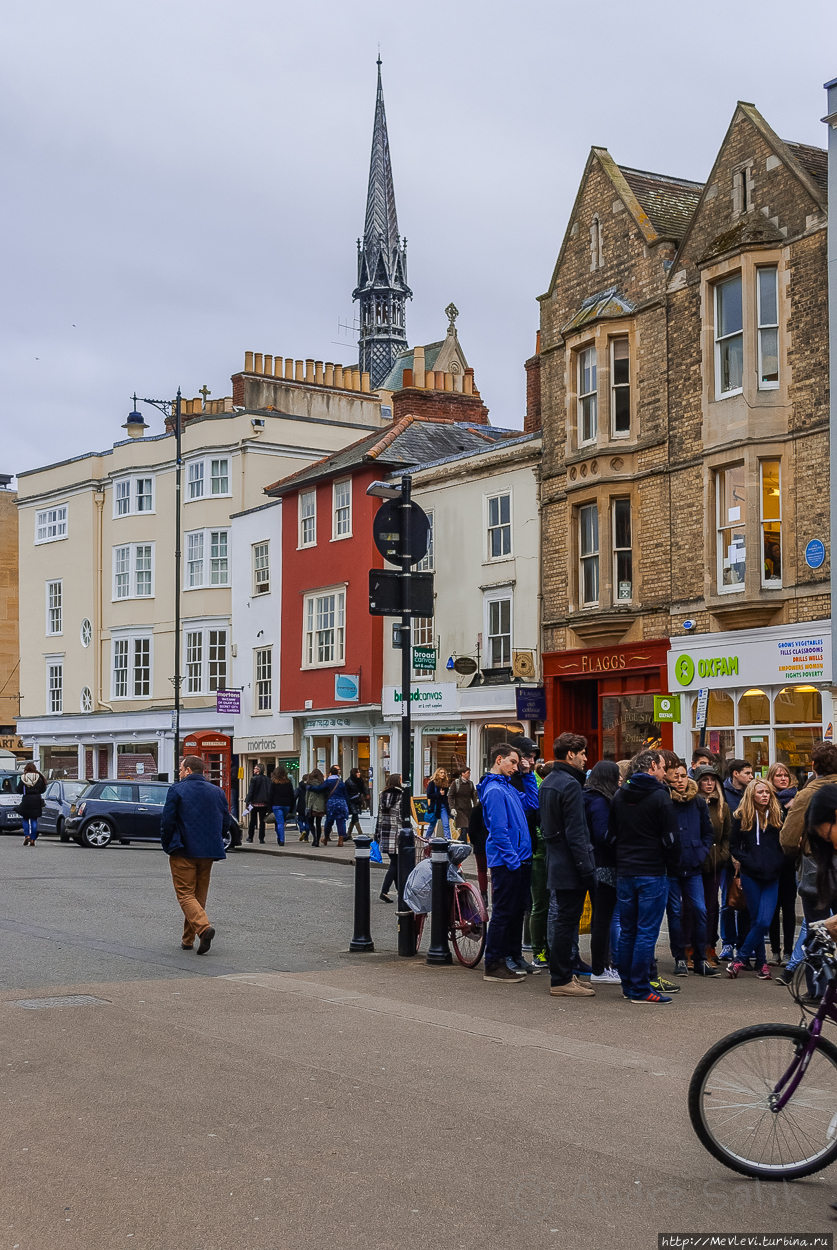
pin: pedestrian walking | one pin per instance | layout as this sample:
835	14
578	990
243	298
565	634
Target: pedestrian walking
462	798
316	804
508	849
258	801
603	782
710	788
357	795
438	805
783	924
696	840
194	821
643	829
281	799
337	806
31	786
387	829
756	850
570	862
300	808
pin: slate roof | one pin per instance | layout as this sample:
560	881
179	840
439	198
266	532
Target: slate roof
412	442
813	160
394	381
749	231
669	202
609	303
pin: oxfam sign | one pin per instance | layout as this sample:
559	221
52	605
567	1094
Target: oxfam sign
719	666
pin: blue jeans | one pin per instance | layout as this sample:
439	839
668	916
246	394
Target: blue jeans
642	905
508	902
691	890
761	899
30	828
280	813
431	824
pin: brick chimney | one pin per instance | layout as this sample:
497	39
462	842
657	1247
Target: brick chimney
532	421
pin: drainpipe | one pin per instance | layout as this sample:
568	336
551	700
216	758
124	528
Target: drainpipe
831	121
99	500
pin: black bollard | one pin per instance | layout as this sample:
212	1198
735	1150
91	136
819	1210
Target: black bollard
362	938
439	952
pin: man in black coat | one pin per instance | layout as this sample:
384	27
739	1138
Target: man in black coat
194	821
570	863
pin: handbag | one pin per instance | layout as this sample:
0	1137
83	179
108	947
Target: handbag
375	852
735	895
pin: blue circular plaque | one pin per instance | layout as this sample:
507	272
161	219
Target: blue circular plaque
814	554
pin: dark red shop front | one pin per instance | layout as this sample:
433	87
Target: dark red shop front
607	694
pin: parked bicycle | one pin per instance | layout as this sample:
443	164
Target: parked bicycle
763	1100
468	917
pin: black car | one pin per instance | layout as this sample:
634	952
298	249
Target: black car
58	799
122	811
10	818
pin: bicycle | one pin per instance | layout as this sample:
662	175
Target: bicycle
763	1100
468	921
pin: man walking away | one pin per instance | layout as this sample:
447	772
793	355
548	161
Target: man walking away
194	821
570	863
508	846
643	828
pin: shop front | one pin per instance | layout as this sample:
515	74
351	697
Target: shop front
607	694
768	693
355	740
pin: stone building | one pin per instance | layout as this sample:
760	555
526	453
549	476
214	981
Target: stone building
683	392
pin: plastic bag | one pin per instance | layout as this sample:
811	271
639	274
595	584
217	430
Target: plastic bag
375	852
418	889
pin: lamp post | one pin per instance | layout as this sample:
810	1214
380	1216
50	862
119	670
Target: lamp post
169	408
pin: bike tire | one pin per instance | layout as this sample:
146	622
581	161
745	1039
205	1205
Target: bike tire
468	924
784	1130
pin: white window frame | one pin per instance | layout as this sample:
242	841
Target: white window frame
312	618
720	526
195	478
54	607
201	680
502	594
501	525
132	571
589	556
727	338
118	641
54	684
776	582
207	573
617	551
427	565
590	397
126	490
262	685
264	570
341	514
620	386
53	518
765	326
220	476
303	501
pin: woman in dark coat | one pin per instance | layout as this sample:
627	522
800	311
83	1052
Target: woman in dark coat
756	850
357	792
300	807
258	798
281	799
602	784
387	830
31	785
337	806
784	917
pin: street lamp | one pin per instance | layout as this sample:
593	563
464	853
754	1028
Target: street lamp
171	407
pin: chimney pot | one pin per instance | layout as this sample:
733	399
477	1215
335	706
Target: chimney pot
248	362
268	366
408	377
338	376
318	372
277	366
258	365
448	381
329	374
364	382
289	368
309	371
298	366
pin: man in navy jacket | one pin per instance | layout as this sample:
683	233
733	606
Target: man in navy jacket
194	821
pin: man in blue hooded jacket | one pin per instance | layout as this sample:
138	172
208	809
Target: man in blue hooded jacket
194	821
508	850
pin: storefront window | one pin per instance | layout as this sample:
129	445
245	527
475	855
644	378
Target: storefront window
493	735
754	708
444	750
756	749
384	766
136	759
61	761
794	747
720	709
798	705
321	754
628	725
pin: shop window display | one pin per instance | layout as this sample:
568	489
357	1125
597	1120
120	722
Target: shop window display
136	759
754	708
493	735
628	725
781	727
720	713
59	761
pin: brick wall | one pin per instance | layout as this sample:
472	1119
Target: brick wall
455	406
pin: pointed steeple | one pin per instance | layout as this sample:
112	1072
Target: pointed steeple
382	261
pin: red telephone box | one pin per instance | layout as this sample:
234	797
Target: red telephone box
216	752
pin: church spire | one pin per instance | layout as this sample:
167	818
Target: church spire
382	261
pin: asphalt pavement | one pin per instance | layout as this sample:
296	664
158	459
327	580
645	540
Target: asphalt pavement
281	1092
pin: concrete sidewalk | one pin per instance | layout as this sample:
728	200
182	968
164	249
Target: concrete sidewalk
331	854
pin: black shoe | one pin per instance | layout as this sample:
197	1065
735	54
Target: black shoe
784	977
521	965
206	940
249	839
706	970
385	898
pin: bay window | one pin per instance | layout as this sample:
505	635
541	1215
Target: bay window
768	328
731	516
588	547
620	387
729	337
623	577
771	524
587	396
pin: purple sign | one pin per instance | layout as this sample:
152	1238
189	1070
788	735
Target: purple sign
228	701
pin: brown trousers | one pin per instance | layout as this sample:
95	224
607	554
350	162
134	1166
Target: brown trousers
190	878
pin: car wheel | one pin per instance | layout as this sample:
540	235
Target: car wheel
59	829
97	833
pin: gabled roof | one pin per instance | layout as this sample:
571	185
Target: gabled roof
609	303
813	160
411	442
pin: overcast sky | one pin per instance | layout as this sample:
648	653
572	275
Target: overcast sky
185	179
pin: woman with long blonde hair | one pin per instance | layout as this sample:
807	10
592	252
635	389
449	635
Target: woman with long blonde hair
438	807
758	857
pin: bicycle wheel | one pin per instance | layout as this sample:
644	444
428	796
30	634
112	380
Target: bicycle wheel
730	1096
468	923
418	920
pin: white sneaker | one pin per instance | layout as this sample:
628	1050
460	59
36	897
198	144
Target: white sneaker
609	977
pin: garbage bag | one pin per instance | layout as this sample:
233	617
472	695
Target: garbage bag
375	853
418	889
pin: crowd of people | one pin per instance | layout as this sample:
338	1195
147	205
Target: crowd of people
717	852
319	804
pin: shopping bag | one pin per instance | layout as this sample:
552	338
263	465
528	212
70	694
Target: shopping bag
586	915
735	895
375	853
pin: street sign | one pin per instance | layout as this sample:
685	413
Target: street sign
464	665
667	708
346	688
228	701
700	711
424	657
386	531
385	593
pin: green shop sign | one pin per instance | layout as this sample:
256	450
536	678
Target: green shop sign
667	708
724	666
424	658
